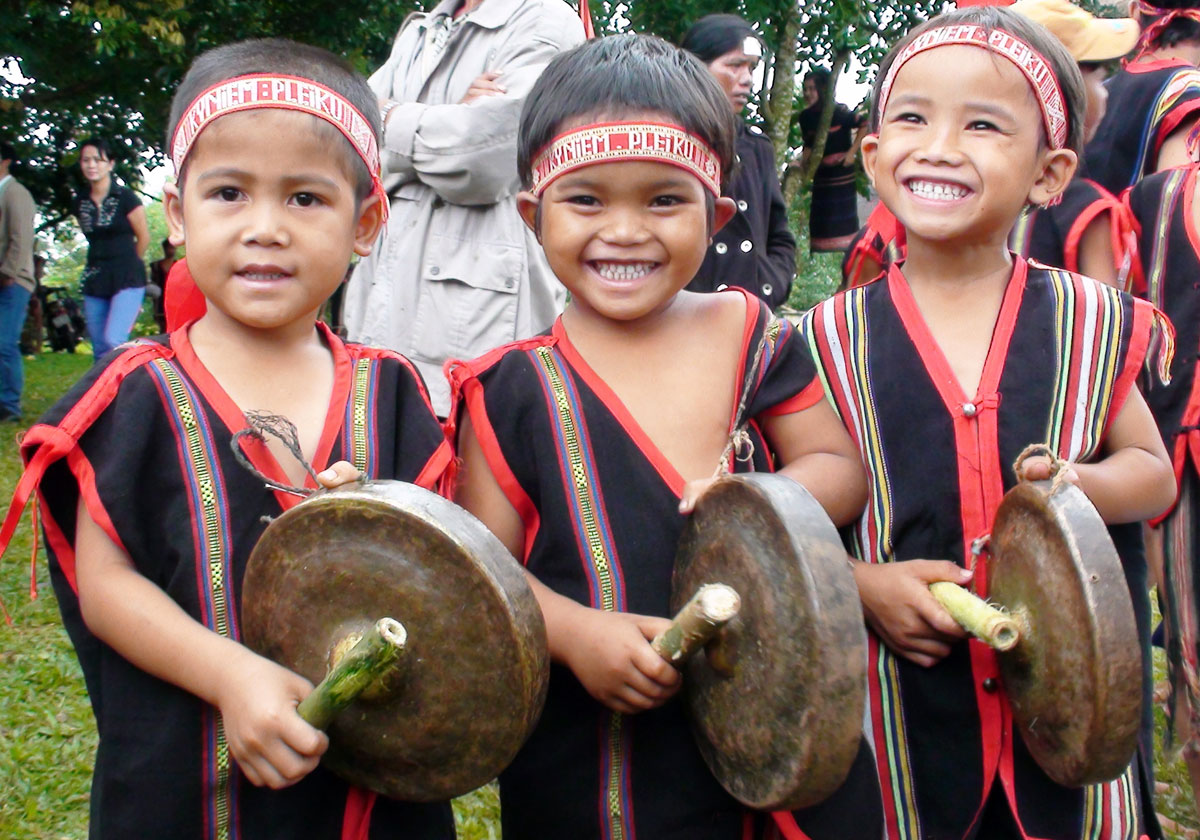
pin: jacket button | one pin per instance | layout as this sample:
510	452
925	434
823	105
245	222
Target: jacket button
742	205
989	685
722	287
969	410
509	283
434	271
720	247
747	245
767	289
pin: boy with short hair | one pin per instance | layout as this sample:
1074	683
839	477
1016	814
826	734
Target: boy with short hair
944	370
150	519
582	448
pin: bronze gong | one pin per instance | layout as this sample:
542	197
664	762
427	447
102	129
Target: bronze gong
1074	678
777	704
474	670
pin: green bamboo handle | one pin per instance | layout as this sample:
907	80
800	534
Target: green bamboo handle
371	657
712	607
979	618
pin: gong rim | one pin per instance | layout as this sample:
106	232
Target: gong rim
1074	681
476	638
783	730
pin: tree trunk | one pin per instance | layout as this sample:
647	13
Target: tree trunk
779	109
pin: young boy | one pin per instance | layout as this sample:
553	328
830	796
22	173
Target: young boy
582	448
944	371
1167	212
149	518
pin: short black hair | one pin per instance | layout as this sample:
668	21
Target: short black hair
714	35
7	152
97	143
279	55
1176	32
1070	81
610	77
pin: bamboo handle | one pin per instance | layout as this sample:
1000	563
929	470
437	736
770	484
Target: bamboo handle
712	607
373	656
975	615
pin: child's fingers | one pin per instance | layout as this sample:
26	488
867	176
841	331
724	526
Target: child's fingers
338	473
1035	468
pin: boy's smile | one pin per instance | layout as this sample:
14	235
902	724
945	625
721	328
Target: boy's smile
959	162
624	237
269	218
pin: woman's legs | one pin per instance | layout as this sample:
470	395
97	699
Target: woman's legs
95	312
110	319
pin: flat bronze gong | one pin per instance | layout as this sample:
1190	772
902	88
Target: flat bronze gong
777	704
1074	678
474	672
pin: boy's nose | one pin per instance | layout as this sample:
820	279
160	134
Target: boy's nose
941	145
266	225
623	227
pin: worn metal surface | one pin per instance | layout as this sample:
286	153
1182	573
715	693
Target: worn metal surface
476	664
1075	678
780	722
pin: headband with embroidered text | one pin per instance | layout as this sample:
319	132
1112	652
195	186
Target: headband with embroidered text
624	141
1163	17
1024	57
265	90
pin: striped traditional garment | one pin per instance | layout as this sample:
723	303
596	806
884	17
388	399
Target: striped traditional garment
1063	357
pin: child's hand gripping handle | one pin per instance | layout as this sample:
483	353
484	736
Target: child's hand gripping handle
712	607
985	622
369	658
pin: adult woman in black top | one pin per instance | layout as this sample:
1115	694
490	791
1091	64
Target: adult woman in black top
833	217
755	250
112	218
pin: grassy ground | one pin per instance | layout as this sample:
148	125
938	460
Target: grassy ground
48	737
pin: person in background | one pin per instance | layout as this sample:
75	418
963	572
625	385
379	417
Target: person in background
833	217
112	218
16	281
755	250
159	269
1153	101
456	273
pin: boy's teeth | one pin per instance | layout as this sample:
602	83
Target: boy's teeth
624	271
937	192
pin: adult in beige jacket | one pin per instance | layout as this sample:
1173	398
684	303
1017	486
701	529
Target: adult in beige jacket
16	281
456	272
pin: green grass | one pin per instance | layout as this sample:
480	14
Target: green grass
48	737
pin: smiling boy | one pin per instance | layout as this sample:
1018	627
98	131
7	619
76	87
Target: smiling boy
582	449
149	517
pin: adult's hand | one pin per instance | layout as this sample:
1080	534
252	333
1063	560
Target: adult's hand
484	85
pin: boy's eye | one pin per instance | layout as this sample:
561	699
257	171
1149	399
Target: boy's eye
908	116
306	200
667	201
229	193
584	200
983	125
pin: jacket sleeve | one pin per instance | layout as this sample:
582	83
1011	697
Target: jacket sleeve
18	207
467	153
777	266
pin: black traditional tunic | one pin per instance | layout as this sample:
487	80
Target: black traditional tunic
1051	235
599	504
112	260
1164	205
1062	360
1147	101
144	438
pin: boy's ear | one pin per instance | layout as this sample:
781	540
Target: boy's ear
724	209
173	210
527	206
370	223
870	148
1058	168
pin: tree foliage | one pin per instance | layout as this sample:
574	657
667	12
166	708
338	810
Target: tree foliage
71	68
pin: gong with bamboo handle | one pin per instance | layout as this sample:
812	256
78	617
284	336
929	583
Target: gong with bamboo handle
1060	617
776	700
412	597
